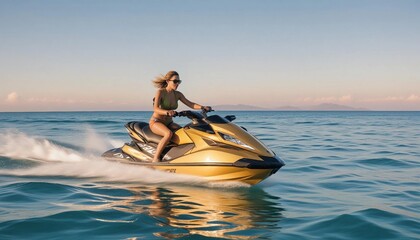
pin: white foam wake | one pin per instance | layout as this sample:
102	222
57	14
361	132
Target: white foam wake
95	143
61	161
18	145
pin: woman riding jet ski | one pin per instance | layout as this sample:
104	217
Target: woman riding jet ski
211	147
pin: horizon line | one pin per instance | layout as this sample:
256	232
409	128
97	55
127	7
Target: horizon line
223	110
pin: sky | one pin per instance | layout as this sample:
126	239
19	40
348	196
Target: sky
77	55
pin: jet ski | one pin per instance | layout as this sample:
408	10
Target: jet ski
212	147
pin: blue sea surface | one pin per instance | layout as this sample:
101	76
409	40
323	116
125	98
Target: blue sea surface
348	175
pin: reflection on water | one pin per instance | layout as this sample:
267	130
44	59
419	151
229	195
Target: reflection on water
193	211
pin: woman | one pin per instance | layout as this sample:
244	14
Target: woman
164	105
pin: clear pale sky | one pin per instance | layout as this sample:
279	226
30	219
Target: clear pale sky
103	54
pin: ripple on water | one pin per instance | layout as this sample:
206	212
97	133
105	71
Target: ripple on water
383	163
331	124
305	122
309	169
352	185
36	188
98	224
366	224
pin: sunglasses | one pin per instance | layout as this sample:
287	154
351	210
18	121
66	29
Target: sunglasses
176	81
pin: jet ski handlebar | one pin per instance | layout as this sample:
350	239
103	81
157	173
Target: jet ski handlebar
193	114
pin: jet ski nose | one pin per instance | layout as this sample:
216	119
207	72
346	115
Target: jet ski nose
266	163
282	163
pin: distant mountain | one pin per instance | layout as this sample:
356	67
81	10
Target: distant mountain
333	107
320	107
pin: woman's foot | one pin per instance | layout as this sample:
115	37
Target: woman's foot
156	160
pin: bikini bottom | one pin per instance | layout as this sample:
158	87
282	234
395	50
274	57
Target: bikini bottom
155	120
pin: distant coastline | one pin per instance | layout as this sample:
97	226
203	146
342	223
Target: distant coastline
319	107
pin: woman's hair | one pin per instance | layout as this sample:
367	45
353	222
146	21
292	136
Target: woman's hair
160	81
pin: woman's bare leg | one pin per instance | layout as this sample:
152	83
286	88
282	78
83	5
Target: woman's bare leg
160	129
173	126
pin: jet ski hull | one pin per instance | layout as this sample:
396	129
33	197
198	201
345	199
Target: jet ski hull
246	170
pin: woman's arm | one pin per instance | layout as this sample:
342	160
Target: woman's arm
188	102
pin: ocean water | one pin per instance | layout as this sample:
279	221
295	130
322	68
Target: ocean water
348	175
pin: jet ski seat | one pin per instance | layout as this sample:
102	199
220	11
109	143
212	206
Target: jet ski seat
143	130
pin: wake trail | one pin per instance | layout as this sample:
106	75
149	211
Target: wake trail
17	145
59	161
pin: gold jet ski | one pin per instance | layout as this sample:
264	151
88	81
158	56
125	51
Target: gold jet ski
209	146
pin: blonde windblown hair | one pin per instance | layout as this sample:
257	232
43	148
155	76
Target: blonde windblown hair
160	81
